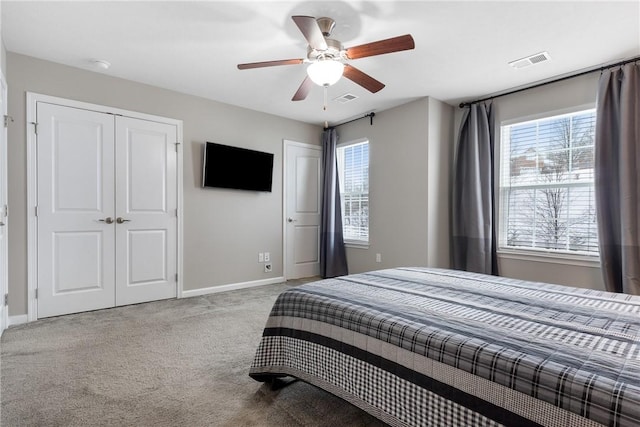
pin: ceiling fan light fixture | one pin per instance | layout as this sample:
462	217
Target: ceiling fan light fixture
325	72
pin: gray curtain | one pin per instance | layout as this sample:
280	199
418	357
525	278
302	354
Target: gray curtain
333	257
474	234
617	165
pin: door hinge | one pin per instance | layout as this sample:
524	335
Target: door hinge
7	119
36	293
176	277
36	209
35	127
6	211
6	299
177	144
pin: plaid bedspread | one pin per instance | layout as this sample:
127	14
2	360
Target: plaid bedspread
431	347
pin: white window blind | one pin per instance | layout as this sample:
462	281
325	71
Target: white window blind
353	174
547	184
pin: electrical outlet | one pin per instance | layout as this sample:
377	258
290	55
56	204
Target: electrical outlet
378	257
260	257
267	257
267	268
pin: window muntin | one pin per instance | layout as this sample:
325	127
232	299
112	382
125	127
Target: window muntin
547	194
353	174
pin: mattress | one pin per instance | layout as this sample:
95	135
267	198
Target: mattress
434	347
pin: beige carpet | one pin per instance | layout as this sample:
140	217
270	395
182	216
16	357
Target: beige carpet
167	363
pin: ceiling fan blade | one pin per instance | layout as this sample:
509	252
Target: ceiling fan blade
269	63
394	44
311	31
303	90
363	79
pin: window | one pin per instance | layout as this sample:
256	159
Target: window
547	194
353	174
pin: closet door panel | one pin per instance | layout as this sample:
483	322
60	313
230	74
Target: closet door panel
146	203
75	185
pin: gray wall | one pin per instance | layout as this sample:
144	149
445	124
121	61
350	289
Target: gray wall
439	179
3	51
554	97
410	154
223	229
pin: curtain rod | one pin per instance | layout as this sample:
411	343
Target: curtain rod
371	115
593	70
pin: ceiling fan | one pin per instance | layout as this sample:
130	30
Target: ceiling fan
326	57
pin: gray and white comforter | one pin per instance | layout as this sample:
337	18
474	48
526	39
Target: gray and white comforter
431	347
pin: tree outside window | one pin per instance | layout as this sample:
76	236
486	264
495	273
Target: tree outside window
547	189
353	174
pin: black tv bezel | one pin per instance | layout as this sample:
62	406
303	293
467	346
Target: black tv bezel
257	153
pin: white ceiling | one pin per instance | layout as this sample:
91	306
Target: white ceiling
462	48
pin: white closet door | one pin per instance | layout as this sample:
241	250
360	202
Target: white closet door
75	156
146	210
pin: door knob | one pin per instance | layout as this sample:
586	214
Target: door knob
1	224
291	220
108	220
121	220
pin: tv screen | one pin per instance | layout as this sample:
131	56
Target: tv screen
225	166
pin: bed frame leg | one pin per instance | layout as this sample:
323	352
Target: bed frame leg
278	383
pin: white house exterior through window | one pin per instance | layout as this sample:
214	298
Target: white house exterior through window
353	174
547	195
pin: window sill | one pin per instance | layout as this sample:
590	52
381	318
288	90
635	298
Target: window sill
550	257
356	245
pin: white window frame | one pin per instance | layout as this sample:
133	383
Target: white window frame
355	243
534	254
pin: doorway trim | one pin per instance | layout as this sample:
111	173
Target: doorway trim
286	143
32	182
4	181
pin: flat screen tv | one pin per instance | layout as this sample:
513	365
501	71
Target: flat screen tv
238	168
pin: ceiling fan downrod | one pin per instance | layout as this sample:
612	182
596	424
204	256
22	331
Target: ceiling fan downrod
326	25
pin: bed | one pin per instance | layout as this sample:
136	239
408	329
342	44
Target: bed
434	347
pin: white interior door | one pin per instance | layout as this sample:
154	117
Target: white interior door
4	220
146	210
75	187
303	181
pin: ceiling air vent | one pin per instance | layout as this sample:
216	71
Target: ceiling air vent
345	98
530	60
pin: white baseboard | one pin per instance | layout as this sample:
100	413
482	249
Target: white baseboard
23	318
18	320
231	287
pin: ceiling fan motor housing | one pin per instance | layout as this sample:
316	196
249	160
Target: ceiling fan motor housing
334	51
